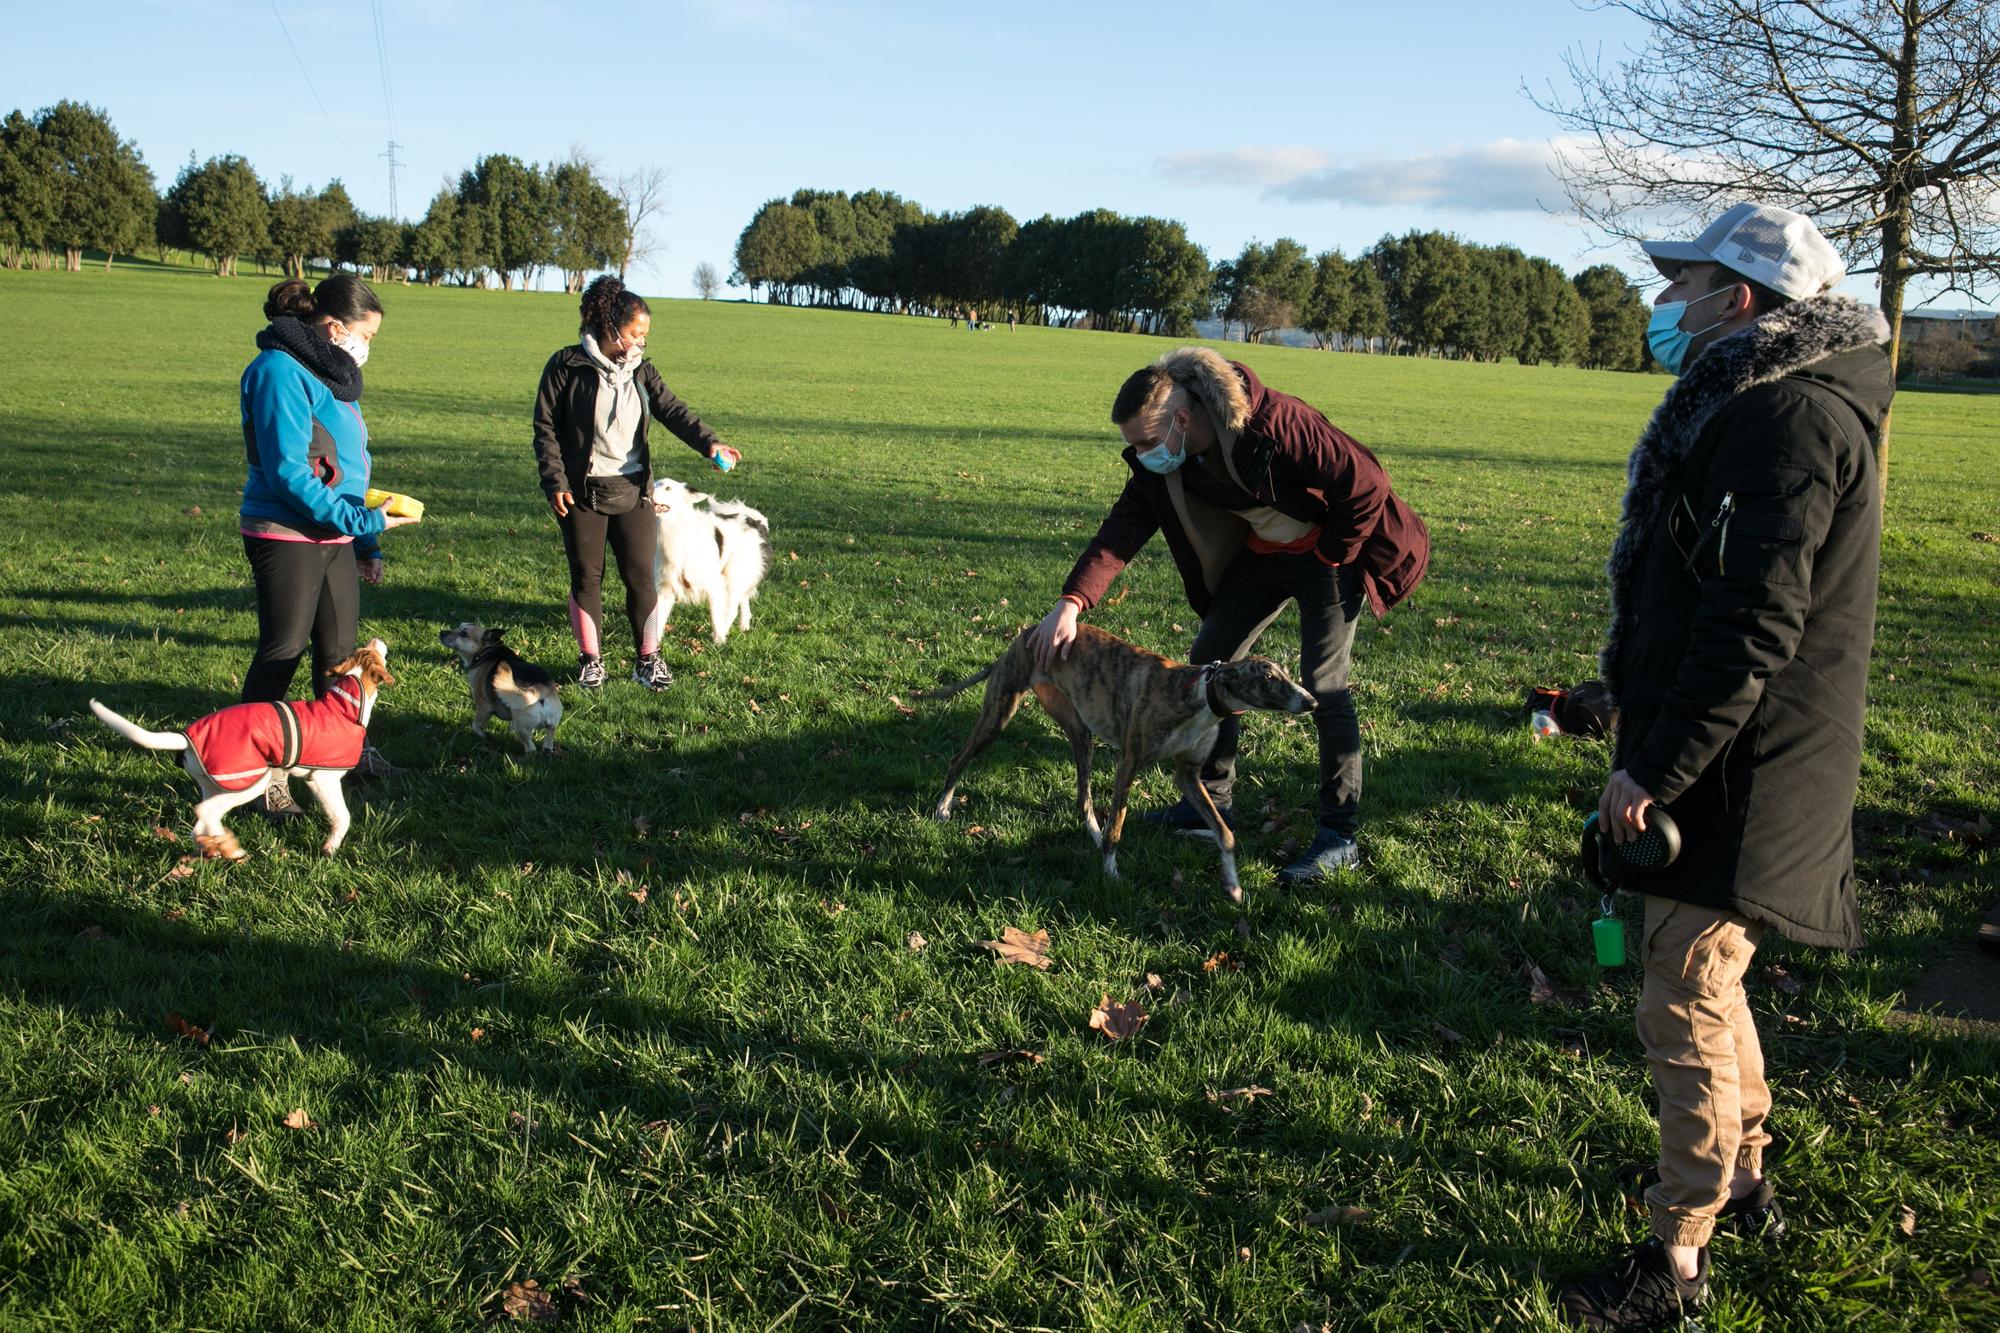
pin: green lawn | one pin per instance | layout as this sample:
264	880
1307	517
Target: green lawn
647	1014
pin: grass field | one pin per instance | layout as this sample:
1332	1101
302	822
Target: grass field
648	1016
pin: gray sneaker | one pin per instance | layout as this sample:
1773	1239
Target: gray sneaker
277	804
1331	852
590	672
651	672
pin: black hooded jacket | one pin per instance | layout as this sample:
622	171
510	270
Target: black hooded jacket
1743	596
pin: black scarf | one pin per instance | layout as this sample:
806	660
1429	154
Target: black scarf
307	346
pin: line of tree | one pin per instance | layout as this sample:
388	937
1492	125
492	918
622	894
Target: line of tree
69	184
875	250
1424	293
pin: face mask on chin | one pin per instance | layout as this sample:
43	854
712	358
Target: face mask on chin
1665	337
1160	460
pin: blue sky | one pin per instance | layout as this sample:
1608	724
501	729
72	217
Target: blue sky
1331	122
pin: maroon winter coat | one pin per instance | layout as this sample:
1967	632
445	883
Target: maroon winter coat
1285	454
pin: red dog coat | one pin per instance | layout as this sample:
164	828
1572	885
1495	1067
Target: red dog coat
238	745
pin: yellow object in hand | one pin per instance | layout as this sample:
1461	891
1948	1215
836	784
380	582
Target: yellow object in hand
402	506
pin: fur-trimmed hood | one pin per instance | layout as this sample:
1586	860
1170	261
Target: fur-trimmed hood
1207	375
1784	342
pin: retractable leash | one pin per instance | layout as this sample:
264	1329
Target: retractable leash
1607	864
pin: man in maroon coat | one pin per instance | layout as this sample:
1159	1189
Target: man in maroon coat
1262	501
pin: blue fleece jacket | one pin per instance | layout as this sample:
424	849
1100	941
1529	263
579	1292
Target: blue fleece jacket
308	459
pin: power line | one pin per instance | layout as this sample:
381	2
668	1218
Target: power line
309	86
388	104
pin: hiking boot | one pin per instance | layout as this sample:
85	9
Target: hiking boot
373	765
1181	817
651	672
590	671
277	804
1755	1216
1331	852
1639	1291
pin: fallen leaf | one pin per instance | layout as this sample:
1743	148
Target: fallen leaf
1778	978
1986	536
1339	1215
1542	991
527	1303
573	1288
1906	1220
990	1058
1153	982
1118	1020
165	834
917	942
637	895
233	1135
1978	1277
1221	962
1447	1033
182	1028
1018	946
298	1119
1244	1095
172	914
153	1109
352	896
1242	1252
521	1124
187	1076
478	1033
641	825
180	872
181	1210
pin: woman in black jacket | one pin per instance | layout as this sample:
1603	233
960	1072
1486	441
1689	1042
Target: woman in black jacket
596	469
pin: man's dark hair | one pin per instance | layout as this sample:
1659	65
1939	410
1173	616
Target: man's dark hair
1762	299
1143	391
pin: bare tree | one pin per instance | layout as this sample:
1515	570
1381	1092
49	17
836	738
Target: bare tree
1878	118
643	193
706	281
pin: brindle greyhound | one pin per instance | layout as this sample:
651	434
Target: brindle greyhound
1147	707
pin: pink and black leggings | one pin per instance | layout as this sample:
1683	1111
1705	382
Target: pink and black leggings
634	536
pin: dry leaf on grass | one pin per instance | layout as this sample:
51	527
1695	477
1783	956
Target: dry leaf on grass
1543	991
1339	1215
478	1033
1018	946
1118	1020
521	1124
1245	1095
234	1136
182	1028
1152	982
916	942
165	834
298	1119
1906	1220
1778	978
637	895
181	871
1221	962
641	825
1449	1034
527	1303
902	707
991	1058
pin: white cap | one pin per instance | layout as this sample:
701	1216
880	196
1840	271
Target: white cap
1772	246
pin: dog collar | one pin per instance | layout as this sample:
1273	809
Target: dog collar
1215	704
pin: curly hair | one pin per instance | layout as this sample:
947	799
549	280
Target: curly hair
609	306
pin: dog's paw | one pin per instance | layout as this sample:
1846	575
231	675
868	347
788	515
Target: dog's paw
1111	865
1233	892
329	848
220	846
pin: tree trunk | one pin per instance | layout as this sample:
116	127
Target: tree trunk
107	261
73	259
1896	219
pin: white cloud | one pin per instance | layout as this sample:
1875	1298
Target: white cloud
1503	176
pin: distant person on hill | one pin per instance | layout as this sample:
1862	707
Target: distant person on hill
597	471
1010	321
972	321
1743	584
1262	502
309	539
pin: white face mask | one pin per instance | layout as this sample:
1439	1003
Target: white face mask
355	346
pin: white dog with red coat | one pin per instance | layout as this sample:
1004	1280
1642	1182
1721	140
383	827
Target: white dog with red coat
234	754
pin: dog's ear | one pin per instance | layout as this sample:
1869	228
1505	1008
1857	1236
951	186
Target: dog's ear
493	635
373	670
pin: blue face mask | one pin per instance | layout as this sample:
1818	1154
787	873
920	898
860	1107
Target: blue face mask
1665	336
1159	460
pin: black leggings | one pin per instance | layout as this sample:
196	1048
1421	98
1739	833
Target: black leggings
635	537
308	593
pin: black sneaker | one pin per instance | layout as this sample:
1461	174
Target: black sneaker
651	672
1183	818
1755	1216
277	804
1640	1291
1331	852
590	671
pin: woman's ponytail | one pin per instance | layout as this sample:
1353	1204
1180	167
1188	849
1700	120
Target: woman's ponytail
609	306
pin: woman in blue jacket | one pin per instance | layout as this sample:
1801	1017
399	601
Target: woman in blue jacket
309	538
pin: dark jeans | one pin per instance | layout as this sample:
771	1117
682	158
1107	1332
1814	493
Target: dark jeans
634	537
308	595
1253	590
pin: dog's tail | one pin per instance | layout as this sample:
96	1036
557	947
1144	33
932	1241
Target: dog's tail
138	735
946	691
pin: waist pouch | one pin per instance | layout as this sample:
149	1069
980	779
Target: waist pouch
612	495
